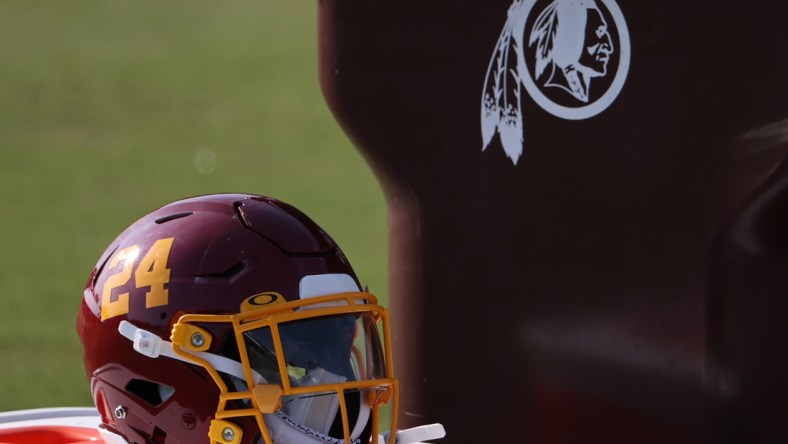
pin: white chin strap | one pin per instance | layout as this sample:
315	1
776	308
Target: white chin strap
415	435
319	411
283	429
314	414
152	346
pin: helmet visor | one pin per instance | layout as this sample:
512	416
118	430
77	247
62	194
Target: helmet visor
318	351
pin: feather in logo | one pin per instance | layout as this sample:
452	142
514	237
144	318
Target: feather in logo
571	56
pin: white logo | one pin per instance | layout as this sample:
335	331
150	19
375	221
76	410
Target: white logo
572	56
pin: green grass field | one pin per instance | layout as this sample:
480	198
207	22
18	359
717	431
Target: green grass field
111	108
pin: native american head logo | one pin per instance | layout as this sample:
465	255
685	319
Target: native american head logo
572	57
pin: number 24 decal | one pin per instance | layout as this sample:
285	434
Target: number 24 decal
151	272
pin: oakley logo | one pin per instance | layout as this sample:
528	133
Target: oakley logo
261	300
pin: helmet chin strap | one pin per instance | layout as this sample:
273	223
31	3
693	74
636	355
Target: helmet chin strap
415	435
319	411
283	429
152	346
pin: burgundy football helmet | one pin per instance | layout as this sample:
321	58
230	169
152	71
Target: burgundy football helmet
233	319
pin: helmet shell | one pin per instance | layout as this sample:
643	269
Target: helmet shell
224	249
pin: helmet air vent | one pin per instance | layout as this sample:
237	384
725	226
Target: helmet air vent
164	219
286	227
229	273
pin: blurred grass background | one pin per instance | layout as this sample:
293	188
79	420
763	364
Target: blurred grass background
111	108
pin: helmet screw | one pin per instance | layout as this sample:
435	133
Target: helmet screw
228	434
120	412
188	420
198	339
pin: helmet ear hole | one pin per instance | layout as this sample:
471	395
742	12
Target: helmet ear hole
151	392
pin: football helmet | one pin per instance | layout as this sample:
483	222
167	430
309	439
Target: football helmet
233	319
